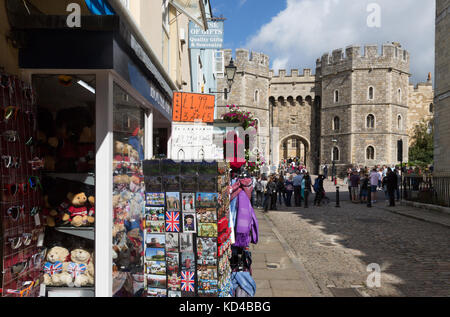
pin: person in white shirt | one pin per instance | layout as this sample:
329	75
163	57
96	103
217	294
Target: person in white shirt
375	179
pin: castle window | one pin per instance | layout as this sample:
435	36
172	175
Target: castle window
399	122
335	154
336	124
256	96
404	55
272	101
308	99
336	96
399	95
225	95
371	93
431	108
370	121
290	100
370	153
294	143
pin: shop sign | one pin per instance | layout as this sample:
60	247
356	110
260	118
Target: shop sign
210	39
192	142
190	107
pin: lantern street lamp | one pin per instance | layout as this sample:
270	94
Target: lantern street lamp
230	72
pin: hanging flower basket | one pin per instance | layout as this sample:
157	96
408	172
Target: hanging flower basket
236	115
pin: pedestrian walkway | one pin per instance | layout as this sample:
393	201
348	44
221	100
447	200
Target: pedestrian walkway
420	214
277	270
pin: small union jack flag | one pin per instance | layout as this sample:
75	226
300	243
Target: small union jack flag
173	221
53	268
187	281
76	269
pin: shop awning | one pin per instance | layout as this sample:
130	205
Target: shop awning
194	9
99	7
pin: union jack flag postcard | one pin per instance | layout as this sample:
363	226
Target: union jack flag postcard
173	221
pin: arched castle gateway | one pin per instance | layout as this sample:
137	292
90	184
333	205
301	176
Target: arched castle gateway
354	108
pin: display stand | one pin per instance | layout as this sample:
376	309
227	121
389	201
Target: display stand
21	226
186	229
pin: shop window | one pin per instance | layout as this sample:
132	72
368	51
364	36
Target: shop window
128	193
63	155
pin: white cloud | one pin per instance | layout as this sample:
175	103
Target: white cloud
306	29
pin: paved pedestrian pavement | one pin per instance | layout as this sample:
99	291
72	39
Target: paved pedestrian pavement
276	269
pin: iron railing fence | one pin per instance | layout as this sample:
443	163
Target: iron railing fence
427	189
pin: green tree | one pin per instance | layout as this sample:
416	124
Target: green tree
421	149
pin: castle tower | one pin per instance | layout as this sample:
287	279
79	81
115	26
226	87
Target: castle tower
249	91
364	105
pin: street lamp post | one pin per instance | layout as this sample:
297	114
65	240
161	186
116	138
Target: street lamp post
230	72
333	167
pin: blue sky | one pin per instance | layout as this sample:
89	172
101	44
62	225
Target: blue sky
294	33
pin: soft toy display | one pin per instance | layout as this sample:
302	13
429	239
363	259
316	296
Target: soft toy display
78	214
55	269
81	268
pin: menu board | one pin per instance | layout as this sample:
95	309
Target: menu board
190	107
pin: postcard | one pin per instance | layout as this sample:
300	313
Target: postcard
189	222
156	267
172	221
155	254
188	201
155	199
154	213
172	243
186	242
207	230
156	281
174	281
188	261
206	215
206	246
174	294
173	201
207	200
154	240
155	226
156	292
171	183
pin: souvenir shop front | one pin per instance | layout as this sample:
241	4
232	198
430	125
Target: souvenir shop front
85	211
75	130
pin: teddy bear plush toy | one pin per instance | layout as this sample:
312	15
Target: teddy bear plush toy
78	214
55	269
81	268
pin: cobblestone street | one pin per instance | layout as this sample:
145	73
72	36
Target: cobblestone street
335	245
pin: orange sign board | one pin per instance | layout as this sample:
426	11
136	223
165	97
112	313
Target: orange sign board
190	107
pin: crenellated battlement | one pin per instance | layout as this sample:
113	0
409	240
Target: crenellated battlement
246	57
372	57
294	75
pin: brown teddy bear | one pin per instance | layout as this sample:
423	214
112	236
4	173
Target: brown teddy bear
55	269
49	213
81	268
78	214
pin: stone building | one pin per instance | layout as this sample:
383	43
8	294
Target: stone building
442	90
352	111
419	96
